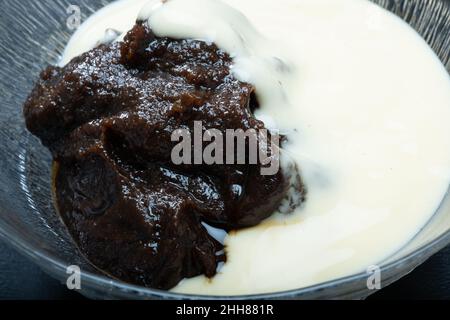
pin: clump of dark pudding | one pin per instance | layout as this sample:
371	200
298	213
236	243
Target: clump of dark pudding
107	118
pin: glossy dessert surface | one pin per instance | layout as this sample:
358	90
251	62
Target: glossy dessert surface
108	117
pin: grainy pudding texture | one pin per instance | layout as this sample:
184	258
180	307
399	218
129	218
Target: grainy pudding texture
107	117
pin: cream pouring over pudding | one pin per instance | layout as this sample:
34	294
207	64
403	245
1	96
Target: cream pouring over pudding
364	103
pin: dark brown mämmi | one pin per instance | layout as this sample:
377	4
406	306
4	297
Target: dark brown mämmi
107	117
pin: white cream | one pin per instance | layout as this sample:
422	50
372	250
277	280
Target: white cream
366	104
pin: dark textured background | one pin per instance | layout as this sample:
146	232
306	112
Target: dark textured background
21	279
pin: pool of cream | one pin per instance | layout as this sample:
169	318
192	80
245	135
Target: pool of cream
365	104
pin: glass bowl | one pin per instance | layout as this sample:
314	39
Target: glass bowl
32	35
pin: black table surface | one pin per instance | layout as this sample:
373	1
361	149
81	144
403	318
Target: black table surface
21	279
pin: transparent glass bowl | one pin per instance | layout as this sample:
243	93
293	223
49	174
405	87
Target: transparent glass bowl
32	35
